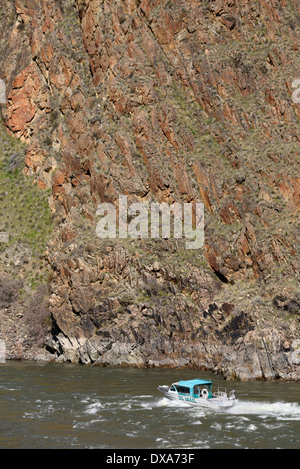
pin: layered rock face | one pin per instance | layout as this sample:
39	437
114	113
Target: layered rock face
164	102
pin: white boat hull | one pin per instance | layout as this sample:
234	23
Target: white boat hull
214	402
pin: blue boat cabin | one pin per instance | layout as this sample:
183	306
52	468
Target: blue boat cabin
193	388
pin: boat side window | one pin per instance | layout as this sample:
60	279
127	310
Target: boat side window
183	390
172	388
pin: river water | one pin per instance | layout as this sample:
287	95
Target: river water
57	406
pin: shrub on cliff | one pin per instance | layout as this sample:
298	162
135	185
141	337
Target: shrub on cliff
9	291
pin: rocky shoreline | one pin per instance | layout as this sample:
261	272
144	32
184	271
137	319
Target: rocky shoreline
237	351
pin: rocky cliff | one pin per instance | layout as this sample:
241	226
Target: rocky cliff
166	101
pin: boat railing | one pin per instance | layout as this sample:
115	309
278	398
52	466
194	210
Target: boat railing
221	392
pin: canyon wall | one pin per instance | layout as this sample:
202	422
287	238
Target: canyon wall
161	101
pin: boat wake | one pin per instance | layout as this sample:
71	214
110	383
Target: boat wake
263	409
280	410
165	402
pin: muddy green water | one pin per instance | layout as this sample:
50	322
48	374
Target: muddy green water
76	406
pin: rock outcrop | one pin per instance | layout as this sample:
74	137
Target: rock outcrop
167	102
